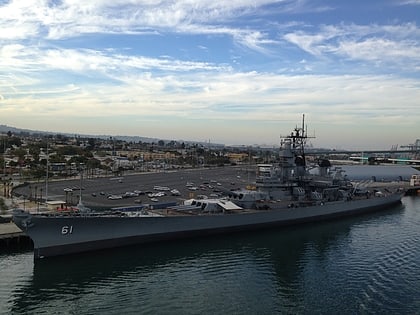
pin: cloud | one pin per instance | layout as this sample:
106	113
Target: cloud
407	2
392	44
234	63
72	18
85	61
377	49
255	105
240	96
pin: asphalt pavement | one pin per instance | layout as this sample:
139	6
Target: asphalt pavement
105	192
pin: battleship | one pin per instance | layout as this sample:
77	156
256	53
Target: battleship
286	193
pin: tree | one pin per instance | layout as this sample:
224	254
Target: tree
77	160
2	145
92	143
57	158
93	163
2	205
20	153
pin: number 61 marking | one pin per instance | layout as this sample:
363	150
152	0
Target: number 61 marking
67	229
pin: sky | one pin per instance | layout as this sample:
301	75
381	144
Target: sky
238	72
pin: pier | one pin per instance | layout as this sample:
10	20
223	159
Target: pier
413	191
11	237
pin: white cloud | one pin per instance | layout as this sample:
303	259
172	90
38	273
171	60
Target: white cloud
376	49
49	67
86	61
312	44
258	96
29	20
407	2
393	44
257	104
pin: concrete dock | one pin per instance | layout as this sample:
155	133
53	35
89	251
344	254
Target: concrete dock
12	237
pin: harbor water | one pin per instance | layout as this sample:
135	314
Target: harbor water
368	264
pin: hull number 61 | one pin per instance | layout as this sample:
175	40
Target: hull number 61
67	229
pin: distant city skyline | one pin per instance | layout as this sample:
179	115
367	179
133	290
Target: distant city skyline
233	72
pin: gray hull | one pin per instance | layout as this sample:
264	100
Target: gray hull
60	235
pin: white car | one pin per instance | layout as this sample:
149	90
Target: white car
114	197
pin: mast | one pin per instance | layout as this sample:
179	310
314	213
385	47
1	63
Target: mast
298	137
303	140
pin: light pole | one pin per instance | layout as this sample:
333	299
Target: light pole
4	157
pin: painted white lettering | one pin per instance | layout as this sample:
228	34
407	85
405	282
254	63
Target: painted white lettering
67	229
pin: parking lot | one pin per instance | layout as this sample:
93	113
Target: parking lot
146	188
